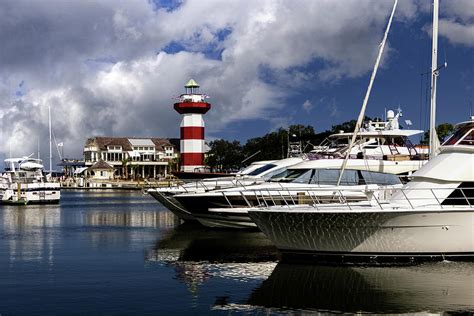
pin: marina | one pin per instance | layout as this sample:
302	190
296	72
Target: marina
286	191
121	253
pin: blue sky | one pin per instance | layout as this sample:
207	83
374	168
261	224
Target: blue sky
113	67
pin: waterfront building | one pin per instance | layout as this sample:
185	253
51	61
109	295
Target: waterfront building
132	158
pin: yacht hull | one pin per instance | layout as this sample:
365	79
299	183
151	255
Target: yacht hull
31	194
353	235
238	218
231	210
168	200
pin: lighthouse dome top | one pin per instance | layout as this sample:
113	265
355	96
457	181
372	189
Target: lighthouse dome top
191	84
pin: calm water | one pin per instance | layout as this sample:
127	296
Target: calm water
123	253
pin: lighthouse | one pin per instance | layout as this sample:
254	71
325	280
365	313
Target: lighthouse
192	106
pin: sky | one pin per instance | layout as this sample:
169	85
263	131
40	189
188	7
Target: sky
114	67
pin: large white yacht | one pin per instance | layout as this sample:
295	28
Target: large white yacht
369	164
23	182
377	140
430	217
257	172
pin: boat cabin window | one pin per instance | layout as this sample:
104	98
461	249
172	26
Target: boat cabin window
468	139
262	169
466	131
371	145
379	178
272	173
353	177
297	176
330	177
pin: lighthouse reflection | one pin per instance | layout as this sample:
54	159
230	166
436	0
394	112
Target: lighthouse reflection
434	287
198	254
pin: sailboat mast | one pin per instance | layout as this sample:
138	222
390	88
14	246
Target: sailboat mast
434	142
50	141
367	95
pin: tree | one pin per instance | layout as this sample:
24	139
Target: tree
224	155
274	145
443	130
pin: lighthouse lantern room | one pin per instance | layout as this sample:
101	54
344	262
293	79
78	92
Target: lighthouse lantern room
192	106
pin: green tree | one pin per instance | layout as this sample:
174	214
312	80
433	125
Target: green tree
224	155
443	130
274	145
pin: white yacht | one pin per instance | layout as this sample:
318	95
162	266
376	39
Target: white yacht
430	217
369	164
23	182
257	172
377	140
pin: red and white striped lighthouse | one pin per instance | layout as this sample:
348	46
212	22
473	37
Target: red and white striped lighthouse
192	106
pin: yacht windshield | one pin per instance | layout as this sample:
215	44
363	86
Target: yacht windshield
330	176
458	134
298	176
353	177
274	173
262	169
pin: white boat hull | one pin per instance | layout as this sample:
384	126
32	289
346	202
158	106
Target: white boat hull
172	204
426	233
30	193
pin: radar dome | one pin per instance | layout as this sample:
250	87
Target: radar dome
390	114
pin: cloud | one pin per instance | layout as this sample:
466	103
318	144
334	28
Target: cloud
456	22
108	67
307	106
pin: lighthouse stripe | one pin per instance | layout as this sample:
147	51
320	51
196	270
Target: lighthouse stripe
188	159
192	120
192	132
192	146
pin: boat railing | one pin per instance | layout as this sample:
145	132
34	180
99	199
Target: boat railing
350	198
208	185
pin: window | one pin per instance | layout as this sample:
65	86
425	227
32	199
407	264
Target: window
330	177
262	169
468	139
369	177
292	175
458	134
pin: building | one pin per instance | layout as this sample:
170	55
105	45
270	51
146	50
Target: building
192	106
132	158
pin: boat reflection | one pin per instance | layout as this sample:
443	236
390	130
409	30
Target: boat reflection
198	254
434	287
34	228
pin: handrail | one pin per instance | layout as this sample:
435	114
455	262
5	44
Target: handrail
350	197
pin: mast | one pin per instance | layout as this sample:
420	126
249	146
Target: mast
50	141
367	95
434	141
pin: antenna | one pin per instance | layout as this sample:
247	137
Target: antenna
50	141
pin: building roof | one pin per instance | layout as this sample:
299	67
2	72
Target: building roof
141	142
127	143
101	165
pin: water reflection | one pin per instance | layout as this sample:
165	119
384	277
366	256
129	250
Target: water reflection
33	232
28	232
198	254
434	287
